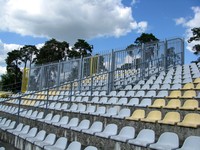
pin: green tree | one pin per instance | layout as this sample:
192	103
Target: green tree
14	75
145	38
52	51
27	54
81	48
195	37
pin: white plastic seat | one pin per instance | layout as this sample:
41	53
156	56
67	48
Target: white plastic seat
49	140
144	138
133	102
121	93
113	93
33	115
162	93
144	103
73	107
97	126
155	87
81	108
140	94
74	146
167	140
191	143
125	134
100	110
64	106
112	100
102	100
84	124
60	144
18	128
122	101
90	109
32	132
125	112
150	94
11	126
47	118
39	116
39	137
72	123
55	118
94	100
110	112
109	130
24	130
130	94
90	148
63	120
57	106
6	124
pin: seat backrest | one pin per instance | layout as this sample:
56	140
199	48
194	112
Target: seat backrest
121	93
154	114
174	103
140	94
191	142
172	116
133	101
73	122
73	107
55	118
32	131
138	113
74	146
122	101
146	135
189	94
97	126
85	99
175	93
124	112
192	118
188	86
191	103
19	127
84	123
145	102
64	106
162	93
101	109
50	138
130	93
103	100
127	131
64	120
169	138
159	102
95	99
41	135
110	128
91	108
25	129
113	93
61	143
48	116
90	148
112	100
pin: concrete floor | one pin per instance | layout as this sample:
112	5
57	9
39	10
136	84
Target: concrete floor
7	146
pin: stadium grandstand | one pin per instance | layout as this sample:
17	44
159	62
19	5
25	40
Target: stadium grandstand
138	98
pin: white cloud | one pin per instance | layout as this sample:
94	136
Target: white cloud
68	20
134	2
189	24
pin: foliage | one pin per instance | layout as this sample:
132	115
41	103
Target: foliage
80	48
195	37
27	53
145	38
52	51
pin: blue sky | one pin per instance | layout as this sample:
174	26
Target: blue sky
106	24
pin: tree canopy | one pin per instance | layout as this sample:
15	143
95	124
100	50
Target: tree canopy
195	37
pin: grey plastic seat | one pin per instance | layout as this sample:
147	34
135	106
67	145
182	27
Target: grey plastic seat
84	124
60	144
72	123
49	140
125	112
55	118
39	137
109	130
74	146
167	140
191	143
125	134
144	138
62	121
97	126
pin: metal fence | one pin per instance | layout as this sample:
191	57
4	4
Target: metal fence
109	71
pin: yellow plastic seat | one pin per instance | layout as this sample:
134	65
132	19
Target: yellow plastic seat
173	104
198	86
137	115
197	80
189	94
158	103
175	94
32	103
153	116
25	102
28	103
170	118
53	93
42	97
190	105
190	120
188	86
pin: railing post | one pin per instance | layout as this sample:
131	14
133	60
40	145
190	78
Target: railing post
80	71
165	56
111	72
19	105
58	74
